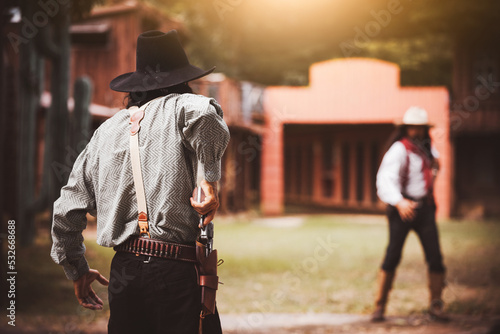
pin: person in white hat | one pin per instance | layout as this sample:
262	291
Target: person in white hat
405	182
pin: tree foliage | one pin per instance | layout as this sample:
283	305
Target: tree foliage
275	41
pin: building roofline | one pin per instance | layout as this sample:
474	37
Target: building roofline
125	7
114	9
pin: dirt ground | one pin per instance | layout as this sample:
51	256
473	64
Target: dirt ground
311	324
472	296
337	323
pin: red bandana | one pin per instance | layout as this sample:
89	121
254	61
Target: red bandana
426	165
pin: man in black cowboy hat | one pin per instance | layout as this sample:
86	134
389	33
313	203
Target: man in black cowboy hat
177	130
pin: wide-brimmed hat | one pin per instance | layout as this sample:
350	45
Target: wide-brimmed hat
415	116
161	62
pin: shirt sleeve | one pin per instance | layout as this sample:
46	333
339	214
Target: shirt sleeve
388	176
207	133
69	219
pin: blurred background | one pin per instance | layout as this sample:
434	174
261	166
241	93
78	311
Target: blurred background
310	91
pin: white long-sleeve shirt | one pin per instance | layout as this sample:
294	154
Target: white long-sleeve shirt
389	176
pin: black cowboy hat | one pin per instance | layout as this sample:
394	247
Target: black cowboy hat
161	62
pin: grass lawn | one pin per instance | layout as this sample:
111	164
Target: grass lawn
291	270
319	263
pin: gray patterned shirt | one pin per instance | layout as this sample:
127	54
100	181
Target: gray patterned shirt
177	132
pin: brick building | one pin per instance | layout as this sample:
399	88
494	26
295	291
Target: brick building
323	144
475	126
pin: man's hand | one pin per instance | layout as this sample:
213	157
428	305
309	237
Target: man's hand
406	209
84	292
210	204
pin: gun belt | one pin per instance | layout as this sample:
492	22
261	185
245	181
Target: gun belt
158	248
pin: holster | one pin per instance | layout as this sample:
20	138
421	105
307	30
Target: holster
207	278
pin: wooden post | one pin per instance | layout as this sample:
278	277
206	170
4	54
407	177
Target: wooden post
293	179
367	170
353	180
317	171
337	172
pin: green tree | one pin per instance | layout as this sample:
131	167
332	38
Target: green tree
275	41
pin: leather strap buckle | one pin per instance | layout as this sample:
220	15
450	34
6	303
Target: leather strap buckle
143	224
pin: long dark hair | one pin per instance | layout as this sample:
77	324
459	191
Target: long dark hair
401	131
140	98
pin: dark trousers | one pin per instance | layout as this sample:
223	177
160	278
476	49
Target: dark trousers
161	296
424	225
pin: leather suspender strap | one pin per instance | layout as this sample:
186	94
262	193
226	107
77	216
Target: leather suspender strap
136	115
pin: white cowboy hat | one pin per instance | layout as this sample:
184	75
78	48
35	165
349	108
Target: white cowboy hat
415	116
